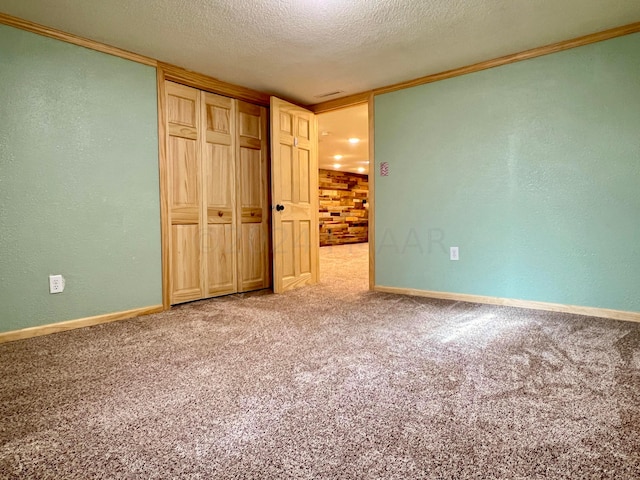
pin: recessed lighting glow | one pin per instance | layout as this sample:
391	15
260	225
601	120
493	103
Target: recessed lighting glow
336	165
361	169
337	157
354	140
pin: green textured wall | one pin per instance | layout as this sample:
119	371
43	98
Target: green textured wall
79	191
532	169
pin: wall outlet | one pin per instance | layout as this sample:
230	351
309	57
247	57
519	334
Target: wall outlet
453	253
56	284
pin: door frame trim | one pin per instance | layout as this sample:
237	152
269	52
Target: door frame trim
165	227
372	193
363	99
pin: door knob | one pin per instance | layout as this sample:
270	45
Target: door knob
279	208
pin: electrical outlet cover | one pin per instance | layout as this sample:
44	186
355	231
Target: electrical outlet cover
56	284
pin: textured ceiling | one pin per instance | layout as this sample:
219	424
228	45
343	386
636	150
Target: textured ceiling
301	48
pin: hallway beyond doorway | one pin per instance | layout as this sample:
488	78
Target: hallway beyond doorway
346	265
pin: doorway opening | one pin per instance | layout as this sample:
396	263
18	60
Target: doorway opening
344	194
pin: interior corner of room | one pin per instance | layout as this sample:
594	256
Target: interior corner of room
529	168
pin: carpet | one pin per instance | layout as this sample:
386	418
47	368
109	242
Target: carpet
326	382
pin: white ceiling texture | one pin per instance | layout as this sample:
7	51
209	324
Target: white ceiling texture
299	49
302	49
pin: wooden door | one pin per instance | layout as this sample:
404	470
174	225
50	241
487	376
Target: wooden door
294	177
184	192
253	197
217	191
219	265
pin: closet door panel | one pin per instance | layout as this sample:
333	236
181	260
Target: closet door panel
185	263
185	193
217	191
221	259
253	266
184	172
219	180
253	180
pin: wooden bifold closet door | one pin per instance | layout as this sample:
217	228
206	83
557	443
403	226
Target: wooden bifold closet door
217	188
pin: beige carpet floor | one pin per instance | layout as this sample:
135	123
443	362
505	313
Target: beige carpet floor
326	382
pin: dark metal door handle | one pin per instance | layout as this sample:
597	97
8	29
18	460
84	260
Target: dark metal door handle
279	208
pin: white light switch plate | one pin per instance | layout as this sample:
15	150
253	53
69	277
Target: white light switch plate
454	253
